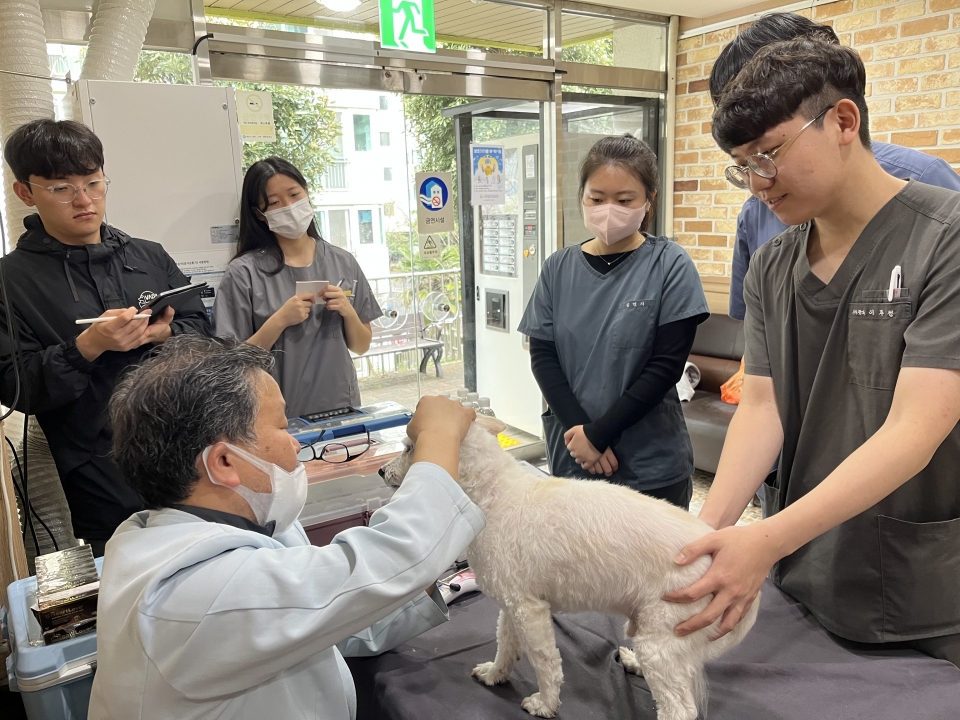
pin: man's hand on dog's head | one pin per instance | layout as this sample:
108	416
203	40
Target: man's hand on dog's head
437	428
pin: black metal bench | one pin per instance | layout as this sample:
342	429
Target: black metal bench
408	334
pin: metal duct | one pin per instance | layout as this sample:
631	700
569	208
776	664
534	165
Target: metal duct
23	49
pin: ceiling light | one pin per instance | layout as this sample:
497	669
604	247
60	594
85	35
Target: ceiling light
341	5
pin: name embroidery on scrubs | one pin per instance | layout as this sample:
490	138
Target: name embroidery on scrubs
636	303
873	312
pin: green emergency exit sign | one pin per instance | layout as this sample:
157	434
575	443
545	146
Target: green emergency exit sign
408	25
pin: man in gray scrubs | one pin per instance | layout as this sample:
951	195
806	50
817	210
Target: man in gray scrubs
853	370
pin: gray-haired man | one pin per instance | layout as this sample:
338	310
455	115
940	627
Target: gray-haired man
212	602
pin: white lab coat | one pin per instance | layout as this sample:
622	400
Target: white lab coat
203	620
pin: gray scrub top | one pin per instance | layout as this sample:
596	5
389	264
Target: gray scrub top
313	365
893	572
604	327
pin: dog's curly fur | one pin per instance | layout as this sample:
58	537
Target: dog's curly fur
553	544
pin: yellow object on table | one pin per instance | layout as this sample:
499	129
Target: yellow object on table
506	441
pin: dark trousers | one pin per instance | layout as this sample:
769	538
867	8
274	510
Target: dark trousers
678	494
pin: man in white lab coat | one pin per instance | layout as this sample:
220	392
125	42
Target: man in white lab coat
213	603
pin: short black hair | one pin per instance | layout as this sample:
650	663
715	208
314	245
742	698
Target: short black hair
633	155
51	149
775	27
193	392
786	79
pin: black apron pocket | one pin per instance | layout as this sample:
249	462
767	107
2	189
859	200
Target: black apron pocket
633	324
770	495
875	342
920	571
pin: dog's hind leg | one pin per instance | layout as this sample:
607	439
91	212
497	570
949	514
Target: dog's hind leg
628	658
675	679
534	624
508	652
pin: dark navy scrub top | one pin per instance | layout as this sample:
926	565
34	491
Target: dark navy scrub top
604	327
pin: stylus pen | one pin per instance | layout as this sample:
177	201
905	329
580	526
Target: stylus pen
94	321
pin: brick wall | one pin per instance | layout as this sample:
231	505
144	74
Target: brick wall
911	49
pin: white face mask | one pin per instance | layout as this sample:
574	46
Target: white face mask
285	500
291	221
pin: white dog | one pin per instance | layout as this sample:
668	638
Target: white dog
552	544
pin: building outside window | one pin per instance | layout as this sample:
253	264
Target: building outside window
384	139
365	225
339	229
383	103
361	133
387	174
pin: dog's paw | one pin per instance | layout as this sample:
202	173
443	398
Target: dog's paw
485	673
535	706
628	658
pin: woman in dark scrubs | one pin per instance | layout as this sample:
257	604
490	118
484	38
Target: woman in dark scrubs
611	323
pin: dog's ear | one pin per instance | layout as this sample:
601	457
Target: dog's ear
491	424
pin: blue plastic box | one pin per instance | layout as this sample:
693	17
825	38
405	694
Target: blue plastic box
53	680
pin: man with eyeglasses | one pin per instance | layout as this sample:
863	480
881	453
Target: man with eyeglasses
756	224
852	371
70	265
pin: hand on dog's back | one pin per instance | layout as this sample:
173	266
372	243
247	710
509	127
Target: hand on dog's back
438	427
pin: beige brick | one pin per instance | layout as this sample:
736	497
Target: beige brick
879	106
881	70
684	212
706	127
866	54
915	139
866	4
881	137
704	113
897	49
696	86
725	226
691	72
679	145
874	35
701	142
706	268
689	101
720	36
940	5
892	122
927	26
951	155
896	87
713	212
953	98
833	9
918	102
954	60
947	41
707	53
930	63
696	253
699	171
715	156
714	184
686	186
698	226
938	119
903	10
687	158
940	81
731	198
712	240
687	130
855	22
680	171
723	255
846	39
690	43
685	239
697	199
950	137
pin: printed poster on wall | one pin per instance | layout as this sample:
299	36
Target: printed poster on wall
488	183
255	112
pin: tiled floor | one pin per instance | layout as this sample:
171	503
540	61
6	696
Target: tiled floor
403	388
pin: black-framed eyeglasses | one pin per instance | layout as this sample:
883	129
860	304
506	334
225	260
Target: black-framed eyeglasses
65	192
345	450
763	164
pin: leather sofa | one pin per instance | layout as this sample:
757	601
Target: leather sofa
716	352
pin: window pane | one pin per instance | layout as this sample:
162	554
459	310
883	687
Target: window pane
383	102
321	216
385	139
387	174
339	233
338	143
361	132
613	42
365	223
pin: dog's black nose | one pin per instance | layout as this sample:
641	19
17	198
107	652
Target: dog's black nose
382	473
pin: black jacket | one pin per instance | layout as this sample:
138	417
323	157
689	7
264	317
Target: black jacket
49	286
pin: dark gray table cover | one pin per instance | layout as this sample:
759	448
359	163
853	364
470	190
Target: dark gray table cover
788	668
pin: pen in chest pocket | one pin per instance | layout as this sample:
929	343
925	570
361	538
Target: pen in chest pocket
896	280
